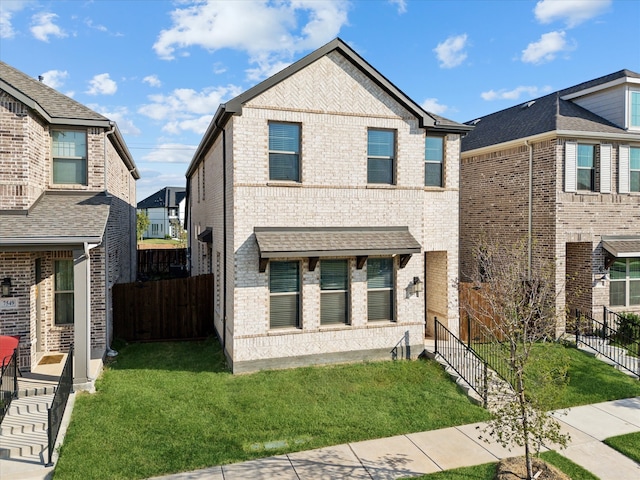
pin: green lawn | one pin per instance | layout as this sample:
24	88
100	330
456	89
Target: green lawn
162	241
169	407
628	445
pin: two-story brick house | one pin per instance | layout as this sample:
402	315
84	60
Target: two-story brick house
165	210
562	172
325	202
67	222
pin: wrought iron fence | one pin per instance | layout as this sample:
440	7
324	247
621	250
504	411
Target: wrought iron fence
609	340
59	403
463	360
8	384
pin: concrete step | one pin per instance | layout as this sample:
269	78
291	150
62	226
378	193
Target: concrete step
23	431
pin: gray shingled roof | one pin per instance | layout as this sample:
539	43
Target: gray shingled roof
168	197
57	218
52	102
541	115
621	247
275	242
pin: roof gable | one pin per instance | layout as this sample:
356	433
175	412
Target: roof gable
168	197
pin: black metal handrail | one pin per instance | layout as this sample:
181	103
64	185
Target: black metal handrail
59	403
606	338
8	384
463	360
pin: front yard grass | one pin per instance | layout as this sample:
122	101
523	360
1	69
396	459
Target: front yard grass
628	445
170	407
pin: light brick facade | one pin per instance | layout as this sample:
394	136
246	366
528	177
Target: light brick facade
28	257
335	103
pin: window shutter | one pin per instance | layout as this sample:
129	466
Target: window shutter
570	160
623	169
605	168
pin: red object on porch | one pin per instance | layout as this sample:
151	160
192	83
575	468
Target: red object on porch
8	344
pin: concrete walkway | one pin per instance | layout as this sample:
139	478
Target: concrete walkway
415	454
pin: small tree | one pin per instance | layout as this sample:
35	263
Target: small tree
142	223
517	304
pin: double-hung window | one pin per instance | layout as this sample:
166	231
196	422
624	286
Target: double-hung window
635	110
624	287
334	292
284	294
381	148
380	289
634	169
69	152
284	151
586	167
433	161
63	291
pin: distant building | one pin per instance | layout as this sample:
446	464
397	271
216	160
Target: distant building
164	208
67	222
307	199
562	171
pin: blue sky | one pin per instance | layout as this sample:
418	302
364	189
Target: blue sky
161	68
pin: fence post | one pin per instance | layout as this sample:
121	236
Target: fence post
485	388
468	330
435	329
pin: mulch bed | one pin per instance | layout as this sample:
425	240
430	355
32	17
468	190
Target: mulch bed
516	469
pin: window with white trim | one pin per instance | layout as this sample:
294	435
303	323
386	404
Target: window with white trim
586	174
380	289
635	109
433	161
624	285
63	291
381	149
634	169
284	294
334	292
284	151
69	152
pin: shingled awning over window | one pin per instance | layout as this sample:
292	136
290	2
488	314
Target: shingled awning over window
622	247
361	242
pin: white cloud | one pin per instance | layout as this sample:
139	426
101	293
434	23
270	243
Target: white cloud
267	31
432	105
170	153
43	27
186	109
503	94
450	53
54	78
152	80
102	85
545	49
402	5
121	116
9	7
572	12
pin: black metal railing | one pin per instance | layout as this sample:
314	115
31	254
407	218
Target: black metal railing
8	384
609	340
463	360
59	403
402	349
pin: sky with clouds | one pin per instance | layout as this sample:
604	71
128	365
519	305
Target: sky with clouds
161	68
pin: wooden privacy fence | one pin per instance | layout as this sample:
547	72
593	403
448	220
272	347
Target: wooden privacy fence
471	297
158	261
180	308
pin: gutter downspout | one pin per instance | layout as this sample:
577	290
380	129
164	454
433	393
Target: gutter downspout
224	234
530	212
107	133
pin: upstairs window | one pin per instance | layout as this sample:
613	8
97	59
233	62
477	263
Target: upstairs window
634	169
433	161
334	288
624	287
284	294
381	147
586	168
380	289
284	151
635	109
63	291
69	152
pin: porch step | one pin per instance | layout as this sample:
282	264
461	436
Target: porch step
23	431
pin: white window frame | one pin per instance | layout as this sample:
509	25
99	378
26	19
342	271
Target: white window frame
391	290
439	162
57	156
327	294
292	153
290	293
627	280
388	158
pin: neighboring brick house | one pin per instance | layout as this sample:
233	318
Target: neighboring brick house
579	149
67	222
164	208
307	198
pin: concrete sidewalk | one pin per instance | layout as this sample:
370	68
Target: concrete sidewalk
415	454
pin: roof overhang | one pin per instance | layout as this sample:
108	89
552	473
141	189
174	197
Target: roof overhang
622	247
48	244
319	242
206	235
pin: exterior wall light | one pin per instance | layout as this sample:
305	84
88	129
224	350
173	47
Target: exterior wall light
6	287
416	287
